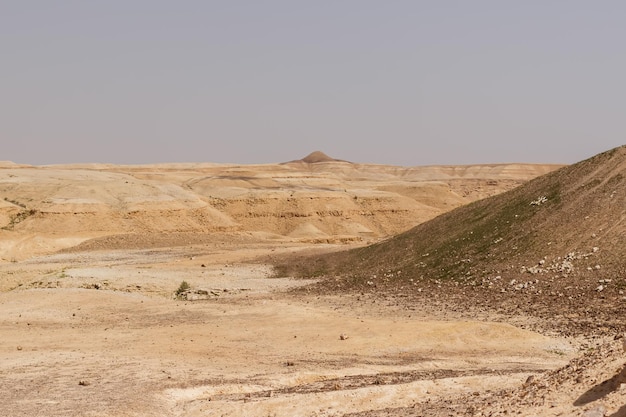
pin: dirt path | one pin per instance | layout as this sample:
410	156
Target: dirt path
99	334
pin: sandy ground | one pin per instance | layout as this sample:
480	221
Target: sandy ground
91	257
99	333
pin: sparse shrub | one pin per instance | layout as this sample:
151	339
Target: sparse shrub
182	288
19	217
17	203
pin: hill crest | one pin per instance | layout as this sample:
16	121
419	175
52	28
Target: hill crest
317	157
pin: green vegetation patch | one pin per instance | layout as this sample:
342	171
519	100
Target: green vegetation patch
19	217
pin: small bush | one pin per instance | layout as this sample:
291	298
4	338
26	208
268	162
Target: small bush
184	286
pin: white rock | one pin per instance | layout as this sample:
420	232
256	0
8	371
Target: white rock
597	411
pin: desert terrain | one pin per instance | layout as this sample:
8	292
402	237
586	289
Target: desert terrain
96	318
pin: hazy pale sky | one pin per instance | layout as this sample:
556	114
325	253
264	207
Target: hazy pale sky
403	82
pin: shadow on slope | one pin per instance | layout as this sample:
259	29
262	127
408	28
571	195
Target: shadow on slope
602	389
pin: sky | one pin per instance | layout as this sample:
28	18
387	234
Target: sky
401	82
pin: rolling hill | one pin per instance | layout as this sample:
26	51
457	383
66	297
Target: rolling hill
559	239
317	199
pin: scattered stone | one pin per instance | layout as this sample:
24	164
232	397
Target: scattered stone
83	383
539	201
343	336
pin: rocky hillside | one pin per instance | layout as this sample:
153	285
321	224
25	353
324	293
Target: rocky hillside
559	239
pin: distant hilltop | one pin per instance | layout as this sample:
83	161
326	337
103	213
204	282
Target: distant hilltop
317	157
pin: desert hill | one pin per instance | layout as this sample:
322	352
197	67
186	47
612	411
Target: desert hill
94	314
560	238
318	199
317	157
